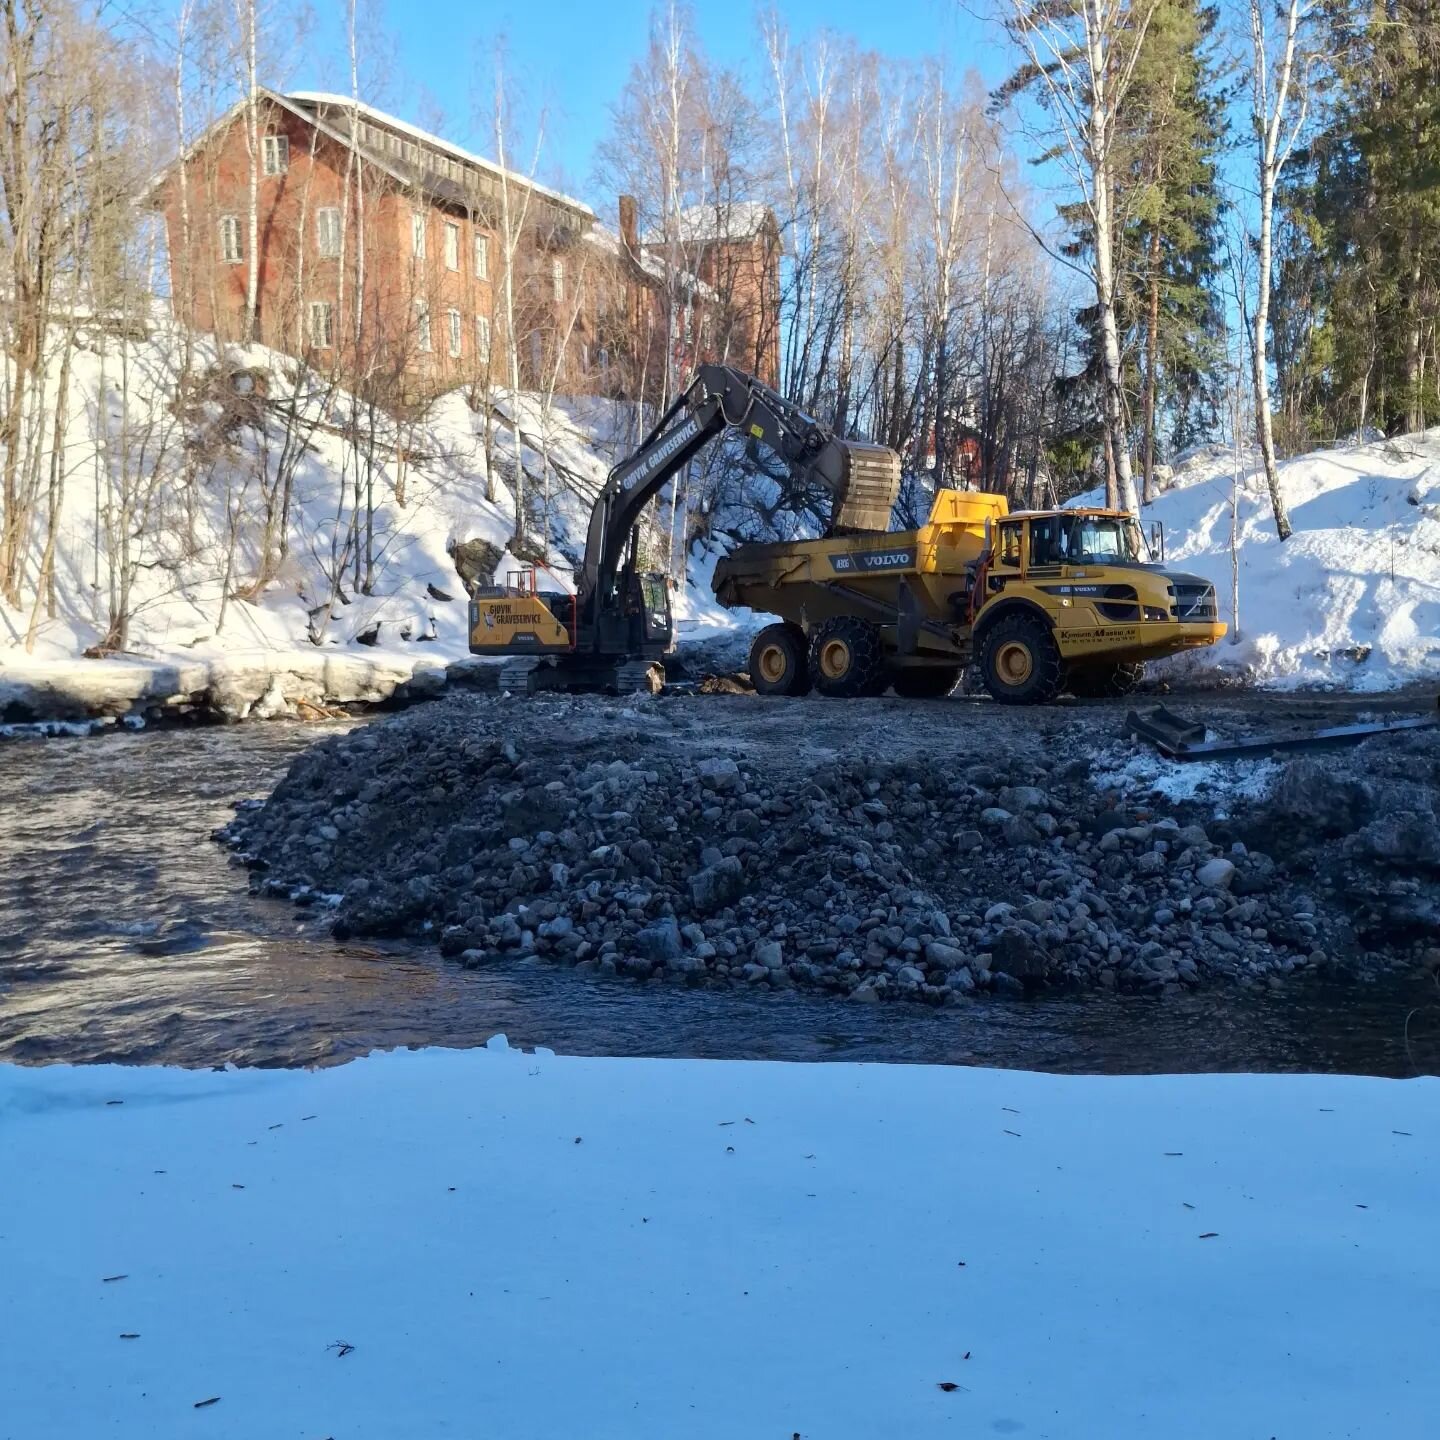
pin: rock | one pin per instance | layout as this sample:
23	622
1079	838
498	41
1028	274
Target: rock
1016	953
1003	984
946	957
993	815
770	954
660	942
1404	838
1312	799
1018	830
1023	797
717	885
910	977
1216	874
719	773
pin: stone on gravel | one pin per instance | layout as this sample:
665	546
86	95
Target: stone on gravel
660	942
717	885
719	773
1216	874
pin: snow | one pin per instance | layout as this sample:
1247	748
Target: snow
652	265
435	142
704	224
490	1242
1143	772
178	645
1352	599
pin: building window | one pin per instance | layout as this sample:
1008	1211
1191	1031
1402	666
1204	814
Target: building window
453	319
417	234
482	257
232	247
322	324
422	326
452	246
327	231
557	274
482	339
275	153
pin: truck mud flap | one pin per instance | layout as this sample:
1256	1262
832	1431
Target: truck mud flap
1179	739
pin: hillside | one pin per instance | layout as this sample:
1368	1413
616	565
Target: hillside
175	493
1351	600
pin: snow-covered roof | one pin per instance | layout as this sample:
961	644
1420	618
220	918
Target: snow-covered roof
434	142
652	265
705	224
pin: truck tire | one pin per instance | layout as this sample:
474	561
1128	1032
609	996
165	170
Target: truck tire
1020	662
778	665
1104	682
926	682
847	658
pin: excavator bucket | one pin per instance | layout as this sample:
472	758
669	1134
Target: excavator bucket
867	490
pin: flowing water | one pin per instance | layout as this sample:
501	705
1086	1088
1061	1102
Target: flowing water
127	935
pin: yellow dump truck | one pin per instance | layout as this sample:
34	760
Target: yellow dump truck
1040	601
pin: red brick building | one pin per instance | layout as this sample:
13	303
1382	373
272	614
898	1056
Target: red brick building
380	252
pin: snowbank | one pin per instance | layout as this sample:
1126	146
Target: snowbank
513	1245
192	438
1352	599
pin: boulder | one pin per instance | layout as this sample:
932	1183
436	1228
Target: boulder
717	885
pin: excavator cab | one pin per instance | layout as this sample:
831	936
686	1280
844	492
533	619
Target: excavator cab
657	626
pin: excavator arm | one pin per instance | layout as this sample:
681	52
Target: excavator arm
863	480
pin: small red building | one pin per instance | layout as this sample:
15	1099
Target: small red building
382	252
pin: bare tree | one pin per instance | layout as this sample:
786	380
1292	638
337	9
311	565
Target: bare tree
1279	99
1079	62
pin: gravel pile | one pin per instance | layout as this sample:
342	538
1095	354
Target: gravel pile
655	839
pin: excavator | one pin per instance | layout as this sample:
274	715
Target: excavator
614	631
1040	601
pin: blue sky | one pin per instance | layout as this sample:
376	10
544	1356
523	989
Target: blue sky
573	56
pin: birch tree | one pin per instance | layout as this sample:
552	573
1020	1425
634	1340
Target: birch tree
1279	103
1079	63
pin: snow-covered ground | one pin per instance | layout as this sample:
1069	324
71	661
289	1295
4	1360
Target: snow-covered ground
504	1244
1352	599
431	492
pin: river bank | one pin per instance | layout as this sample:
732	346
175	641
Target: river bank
873	849
127	937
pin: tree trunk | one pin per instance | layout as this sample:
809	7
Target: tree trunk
1259	360
1152	360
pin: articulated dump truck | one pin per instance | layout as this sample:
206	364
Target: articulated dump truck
1040	601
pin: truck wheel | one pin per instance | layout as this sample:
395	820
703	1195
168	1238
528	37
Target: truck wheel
777	661
847	658
1104	682
1020	662
926	682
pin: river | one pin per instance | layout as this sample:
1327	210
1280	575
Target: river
127	935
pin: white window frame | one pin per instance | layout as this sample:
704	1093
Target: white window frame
482	257
452	245
331	250
557	276
322	325
419	223
232	240
422	327
456	333
275	154
482	339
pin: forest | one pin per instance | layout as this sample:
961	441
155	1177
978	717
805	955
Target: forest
1169	223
